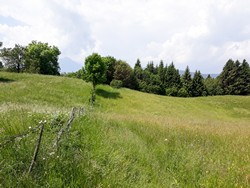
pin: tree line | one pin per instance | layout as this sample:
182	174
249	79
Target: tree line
36	57
165	79
162	79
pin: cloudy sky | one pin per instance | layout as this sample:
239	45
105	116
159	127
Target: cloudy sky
202	34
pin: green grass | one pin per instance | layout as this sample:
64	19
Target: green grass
130	139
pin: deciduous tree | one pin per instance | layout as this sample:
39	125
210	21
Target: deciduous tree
13	58
42	59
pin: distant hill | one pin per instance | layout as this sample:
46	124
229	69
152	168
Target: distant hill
69	65
204	75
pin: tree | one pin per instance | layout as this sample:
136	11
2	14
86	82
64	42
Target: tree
13	58
243	79
212	85
161	72
138	71
1	65
151	68
187	82
198	87
42	59
235	78
110	64
173	78
124	73
228	77
95	69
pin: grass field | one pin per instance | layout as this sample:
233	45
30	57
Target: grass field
129	139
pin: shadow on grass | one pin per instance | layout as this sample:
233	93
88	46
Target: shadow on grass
6	80
108	94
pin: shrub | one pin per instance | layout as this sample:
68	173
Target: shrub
116	84
182	93
173	91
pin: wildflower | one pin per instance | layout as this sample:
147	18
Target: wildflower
52	153
44	158
166	140
29	127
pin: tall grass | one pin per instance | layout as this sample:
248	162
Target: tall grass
130	139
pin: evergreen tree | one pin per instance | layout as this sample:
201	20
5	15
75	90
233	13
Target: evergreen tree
173	78
187	81
138	71
228	77
150	67
198	87
138	64
243	80
161	73
212	85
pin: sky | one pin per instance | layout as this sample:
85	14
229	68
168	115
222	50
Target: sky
201	34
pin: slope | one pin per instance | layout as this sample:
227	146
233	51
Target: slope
130	139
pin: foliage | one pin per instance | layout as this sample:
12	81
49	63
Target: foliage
234	78
138	71
42	59
162	72
110	63
95	72
13	58
151	68
80	74
187	82
183	93
213	87
173	79
95	69
172	91
198	87
116	84
124	73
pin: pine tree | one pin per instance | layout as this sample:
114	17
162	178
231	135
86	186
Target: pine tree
161	72
187	81
198	87
243	80
228	77
173	78
150	67
138	71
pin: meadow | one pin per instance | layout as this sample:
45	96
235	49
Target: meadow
129	138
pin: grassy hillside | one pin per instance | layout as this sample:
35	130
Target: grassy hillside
130	139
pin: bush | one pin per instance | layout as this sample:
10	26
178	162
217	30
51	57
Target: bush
182	93
116	84
173	91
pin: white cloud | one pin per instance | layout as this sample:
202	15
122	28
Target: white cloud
201	34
